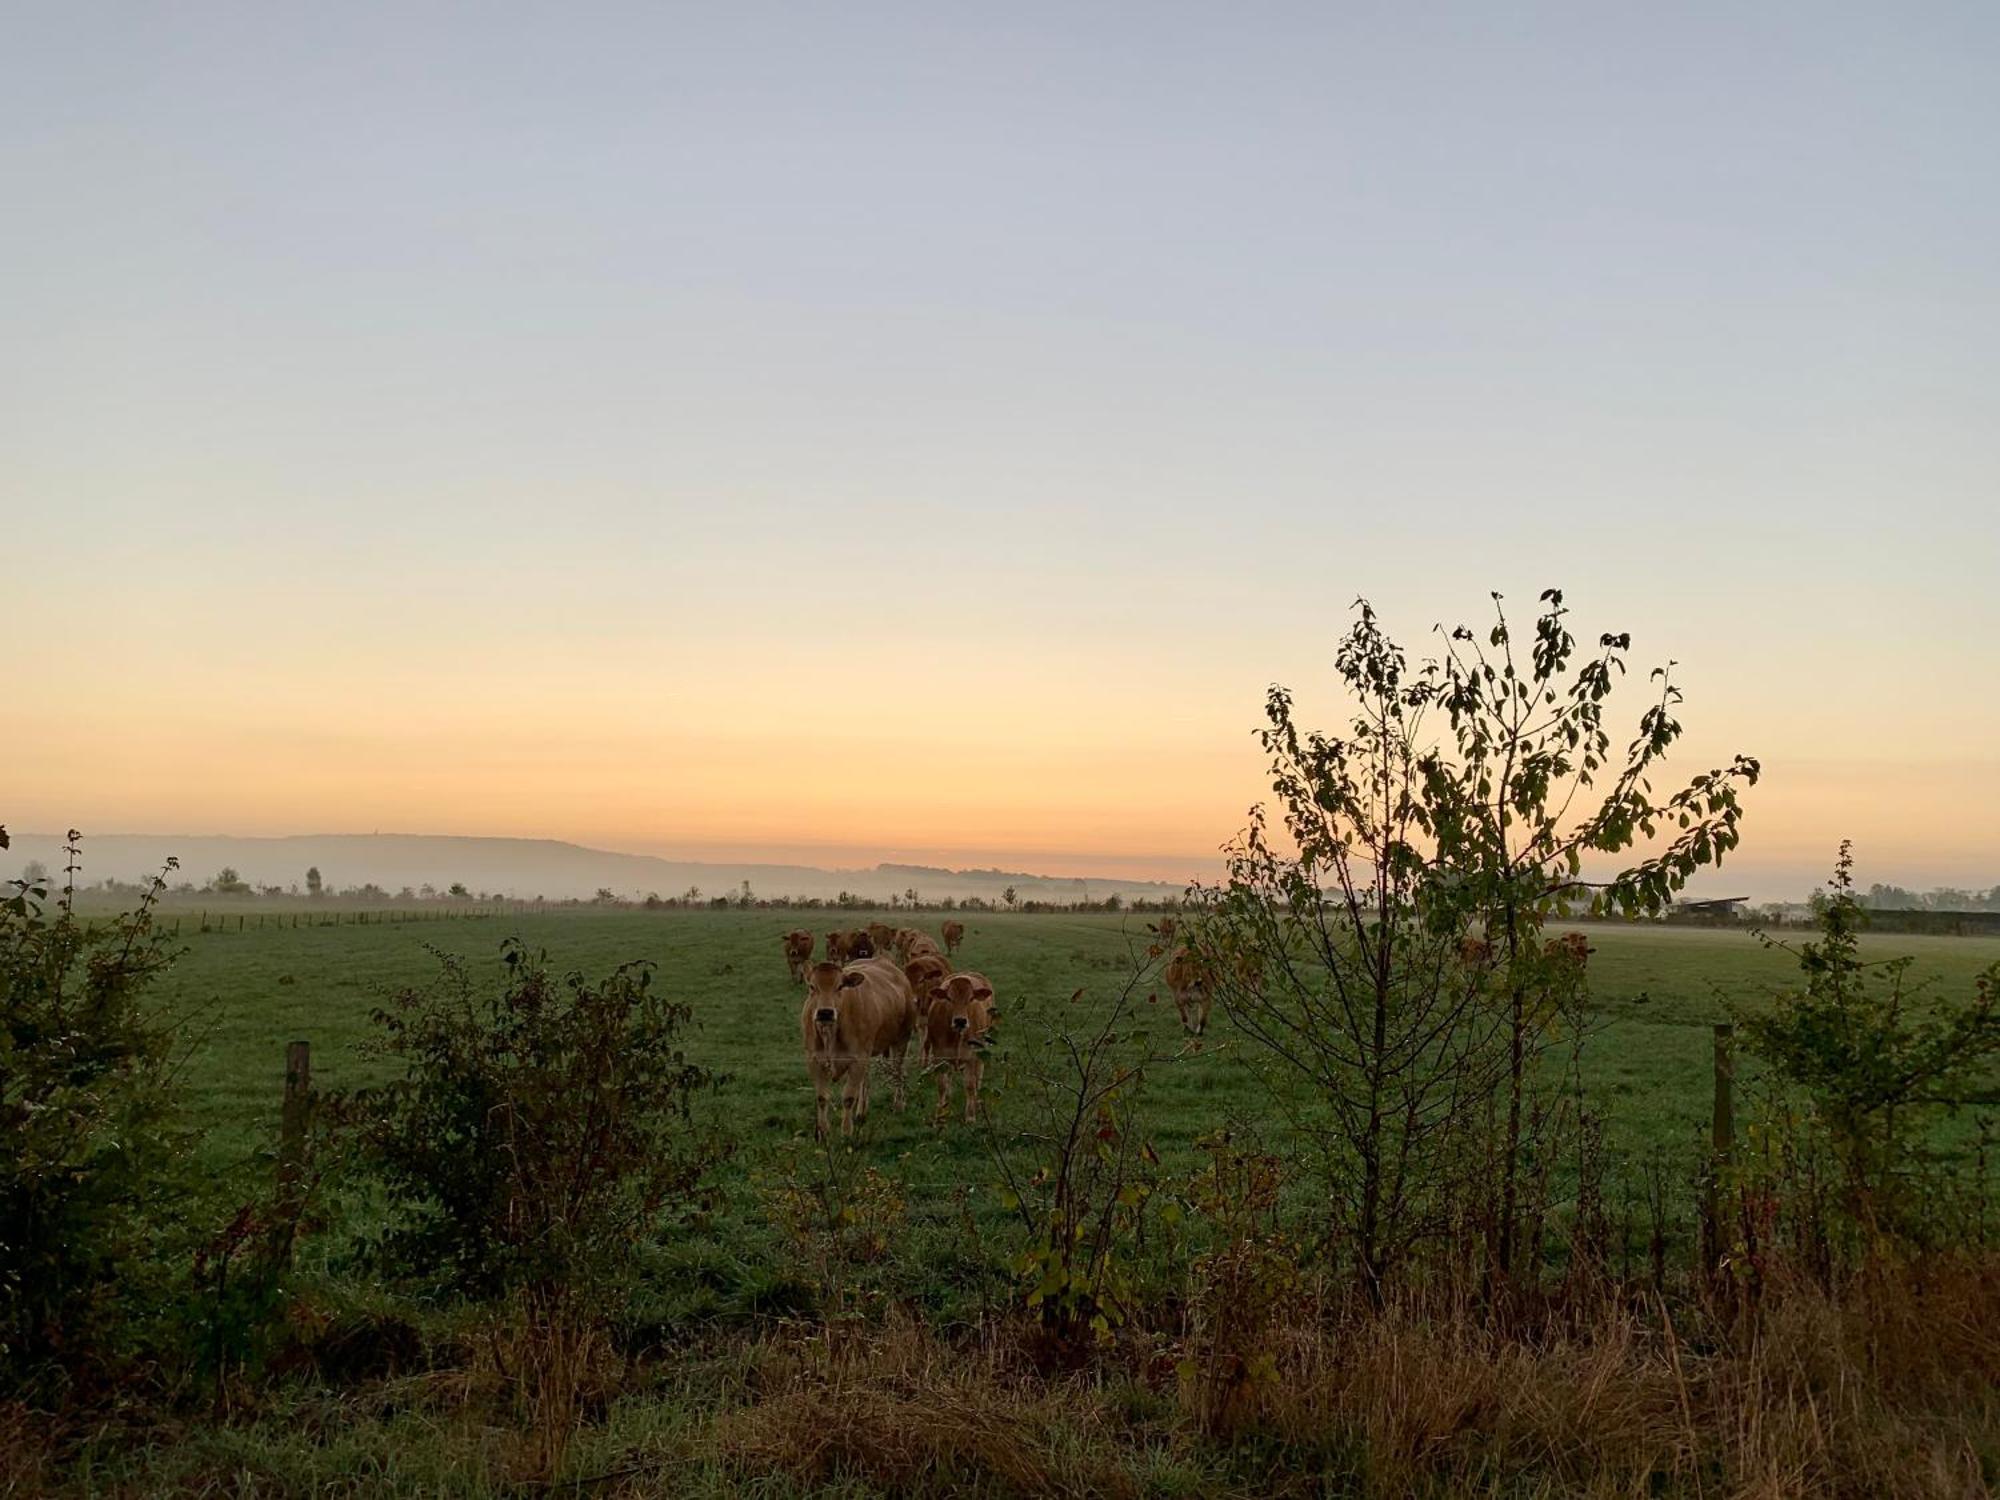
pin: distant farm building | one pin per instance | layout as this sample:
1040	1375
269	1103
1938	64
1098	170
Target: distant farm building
1717	909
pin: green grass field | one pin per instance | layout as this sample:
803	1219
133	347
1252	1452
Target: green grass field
1646	1063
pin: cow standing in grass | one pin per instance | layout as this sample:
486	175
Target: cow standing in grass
798	952
925	972
954	934
851	1016
958	1017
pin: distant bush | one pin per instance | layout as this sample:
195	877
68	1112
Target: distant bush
87	1142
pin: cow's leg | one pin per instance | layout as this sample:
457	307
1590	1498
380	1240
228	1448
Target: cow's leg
853	1100
820	1090
860	1077
972	1071
944	1092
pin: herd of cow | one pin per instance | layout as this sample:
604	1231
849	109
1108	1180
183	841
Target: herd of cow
880	987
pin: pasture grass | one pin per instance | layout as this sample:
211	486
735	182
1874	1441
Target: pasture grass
1646	1061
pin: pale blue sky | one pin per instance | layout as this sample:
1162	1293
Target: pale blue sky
1083	361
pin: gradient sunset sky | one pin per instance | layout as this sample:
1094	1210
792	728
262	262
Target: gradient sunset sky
881	431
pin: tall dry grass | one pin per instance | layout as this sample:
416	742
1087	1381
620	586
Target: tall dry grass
1888	1388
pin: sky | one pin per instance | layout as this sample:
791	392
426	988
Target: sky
882	431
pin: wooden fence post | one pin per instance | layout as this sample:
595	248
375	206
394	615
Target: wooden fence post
292	1131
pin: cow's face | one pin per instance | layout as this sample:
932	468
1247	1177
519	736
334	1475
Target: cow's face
961	1009
827	987
860	946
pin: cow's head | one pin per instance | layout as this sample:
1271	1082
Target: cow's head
923	973
827	987
961	1007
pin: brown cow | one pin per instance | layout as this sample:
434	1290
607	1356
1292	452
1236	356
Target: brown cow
880	936
1571	947
1187	978
846	947
958	1016
919	946
852	1015
1475	952
954	934
798	952
924	973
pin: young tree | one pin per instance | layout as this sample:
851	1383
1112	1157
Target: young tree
315	887
1529	787
1384	944
228	883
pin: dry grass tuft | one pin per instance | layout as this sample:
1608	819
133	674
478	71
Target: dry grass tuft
905	1413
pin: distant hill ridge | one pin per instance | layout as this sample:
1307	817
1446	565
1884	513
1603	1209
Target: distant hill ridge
525	868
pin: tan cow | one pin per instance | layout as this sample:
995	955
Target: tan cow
881	937
1475	952
920	945
798	952
851	1016
958	1017
846	947
1187	978
954	934
1571	947
925	972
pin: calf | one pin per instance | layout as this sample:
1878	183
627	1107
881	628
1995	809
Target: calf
954	934
852	1015
798	952
881	936
958	1018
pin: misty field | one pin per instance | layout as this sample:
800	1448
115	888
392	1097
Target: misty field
1646	1062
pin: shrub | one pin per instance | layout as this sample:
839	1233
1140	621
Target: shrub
1877	1063
1076	1167
541	1131
87	1137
